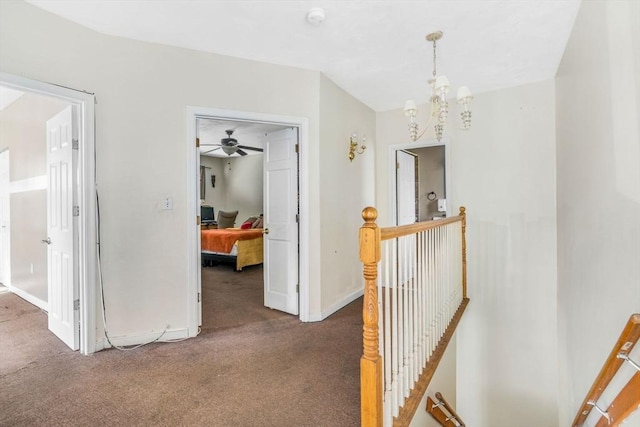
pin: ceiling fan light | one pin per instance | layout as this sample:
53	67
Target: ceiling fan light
229	150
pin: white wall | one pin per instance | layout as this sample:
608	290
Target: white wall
503	171
142	91
243	182
214	196
598	151
347	188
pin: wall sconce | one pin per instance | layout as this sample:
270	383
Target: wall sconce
353	146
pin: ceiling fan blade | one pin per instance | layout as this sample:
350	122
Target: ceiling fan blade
242	153
209	145
209	151
250	148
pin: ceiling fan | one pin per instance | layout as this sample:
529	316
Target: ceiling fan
230	145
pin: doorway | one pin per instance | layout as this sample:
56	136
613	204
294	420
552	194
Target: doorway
79	299
427	199
300	193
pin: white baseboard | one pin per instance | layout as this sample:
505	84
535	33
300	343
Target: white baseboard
131	340
337	306
43	305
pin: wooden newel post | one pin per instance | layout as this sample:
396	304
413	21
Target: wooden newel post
463	214
370	363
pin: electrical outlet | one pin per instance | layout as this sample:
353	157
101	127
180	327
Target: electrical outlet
167	204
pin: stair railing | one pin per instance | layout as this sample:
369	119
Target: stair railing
410	310
442	412
628	398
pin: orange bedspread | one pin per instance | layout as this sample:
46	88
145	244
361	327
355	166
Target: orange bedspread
224	239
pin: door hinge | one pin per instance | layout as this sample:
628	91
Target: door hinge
397	165
198	296
298	288
197	142
75	144
297	218
76	211
297	148
76	304
198	220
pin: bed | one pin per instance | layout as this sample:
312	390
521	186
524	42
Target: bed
243	247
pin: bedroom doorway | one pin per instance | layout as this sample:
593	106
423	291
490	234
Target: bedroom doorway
278	135
70	236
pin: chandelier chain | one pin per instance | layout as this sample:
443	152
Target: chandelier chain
434	59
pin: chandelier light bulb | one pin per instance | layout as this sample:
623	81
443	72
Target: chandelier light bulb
442	85
410	108
464	95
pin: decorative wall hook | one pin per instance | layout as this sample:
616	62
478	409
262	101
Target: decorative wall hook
353	146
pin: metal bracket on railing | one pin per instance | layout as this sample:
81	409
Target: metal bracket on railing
627	359
437	405
602	412
442	412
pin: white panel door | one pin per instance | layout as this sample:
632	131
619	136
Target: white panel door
405	188
63	283
5	227
280	221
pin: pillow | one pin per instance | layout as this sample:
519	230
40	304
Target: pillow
248	223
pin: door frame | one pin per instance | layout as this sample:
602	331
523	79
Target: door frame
85	186
5	259
392	171
192	228
415	177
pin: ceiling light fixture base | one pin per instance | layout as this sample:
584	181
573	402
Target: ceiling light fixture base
435	36
315	16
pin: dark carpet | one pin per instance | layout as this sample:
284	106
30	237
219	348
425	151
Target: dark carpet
250	366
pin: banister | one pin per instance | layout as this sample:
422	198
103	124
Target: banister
626	342
436	258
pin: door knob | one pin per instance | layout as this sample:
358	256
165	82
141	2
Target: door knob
47	241
266	231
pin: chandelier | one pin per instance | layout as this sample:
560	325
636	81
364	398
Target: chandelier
439	104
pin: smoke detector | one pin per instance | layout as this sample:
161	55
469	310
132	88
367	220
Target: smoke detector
315	16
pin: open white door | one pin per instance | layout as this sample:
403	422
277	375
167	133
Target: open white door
5	227
280	220
405	187
63	281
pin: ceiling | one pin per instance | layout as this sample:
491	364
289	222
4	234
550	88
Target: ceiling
373	49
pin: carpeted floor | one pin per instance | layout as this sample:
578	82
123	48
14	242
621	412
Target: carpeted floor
250	366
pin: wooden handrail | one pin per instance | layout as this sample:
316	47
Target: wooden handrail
387	233
624	404
627	340
434	408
